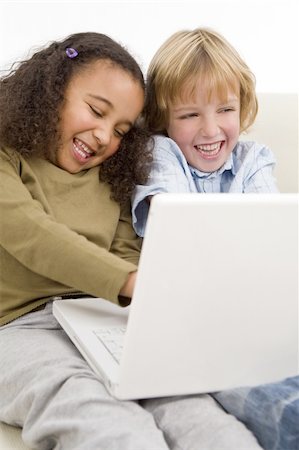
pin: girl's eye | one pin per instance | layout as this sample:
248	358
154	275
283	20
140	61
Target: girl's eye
95	111
120	134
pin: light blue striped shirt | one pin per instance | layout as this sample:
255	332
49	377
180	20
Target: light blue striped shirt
249	169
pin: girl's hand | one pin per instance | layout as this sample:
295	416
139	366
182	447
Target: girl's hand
127	289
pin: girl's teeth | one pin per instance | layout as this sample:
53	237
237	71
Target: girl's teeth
81	153
82	149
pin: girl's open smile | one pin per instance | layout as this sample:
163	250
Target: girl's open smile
81	151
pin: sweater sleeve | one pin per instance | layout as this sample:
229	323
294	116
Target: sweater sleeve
126	244
51	249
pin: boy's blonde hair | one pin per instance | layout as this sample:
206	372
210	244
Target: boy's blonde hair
189	56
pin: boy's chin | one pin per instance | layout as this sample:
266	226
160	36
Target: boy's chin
209	167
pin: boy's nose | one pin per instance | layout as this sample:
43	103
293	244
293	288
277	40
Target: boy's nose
209	127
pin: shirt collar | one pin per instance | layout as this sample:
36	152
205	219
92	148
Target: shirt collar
228	165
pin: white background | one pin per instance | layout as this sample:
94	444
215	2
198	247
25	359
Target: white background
265	32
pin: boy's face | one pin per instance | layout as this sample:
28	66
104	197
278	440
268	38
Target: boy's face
102	102
206	130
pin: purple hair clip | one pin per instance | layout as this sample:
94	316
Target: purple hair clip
71	52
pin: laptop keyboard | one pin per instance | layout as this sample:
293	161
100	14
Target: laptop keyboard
113	339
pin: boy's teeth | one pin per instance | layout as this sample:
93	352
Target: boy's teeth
209	147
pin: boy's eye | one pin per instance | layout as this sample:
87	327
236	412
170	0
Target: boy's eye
227	109
189	115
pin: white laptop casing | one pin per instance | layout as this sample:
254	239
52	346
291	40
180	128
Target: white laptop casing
216	300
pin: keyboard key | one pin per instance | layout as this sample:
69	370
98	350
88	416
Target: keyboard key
113	340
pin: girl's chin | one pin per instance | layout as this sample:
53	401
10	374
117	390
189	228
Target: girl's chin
69	166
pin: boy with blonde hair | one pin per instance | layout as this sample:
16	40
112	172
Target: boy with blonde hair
200	98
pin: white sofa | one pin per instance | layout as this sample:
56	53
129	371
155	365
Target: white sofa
277	127
11	438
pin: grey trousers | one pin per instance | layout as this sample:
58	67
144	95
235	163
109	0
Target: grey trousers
48	389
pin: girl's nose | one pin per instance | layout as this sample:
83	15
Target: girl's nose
102	135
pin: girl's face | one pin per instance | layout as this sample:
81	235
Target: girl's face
206	130
102	102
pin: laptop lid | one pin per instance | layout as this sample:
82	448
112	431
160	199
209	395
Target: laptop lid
216	300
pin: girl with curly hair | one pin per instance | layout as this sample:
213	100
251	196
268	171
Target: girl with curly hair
71	152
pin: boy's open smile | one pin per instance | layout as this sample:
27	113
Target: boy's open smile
209	151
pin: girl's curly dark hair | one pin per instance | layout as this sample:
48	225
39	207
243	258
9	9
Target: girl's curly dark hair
32	94
130	165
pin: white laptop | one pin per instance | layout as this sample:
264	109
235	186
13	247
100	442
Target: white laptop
215	304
